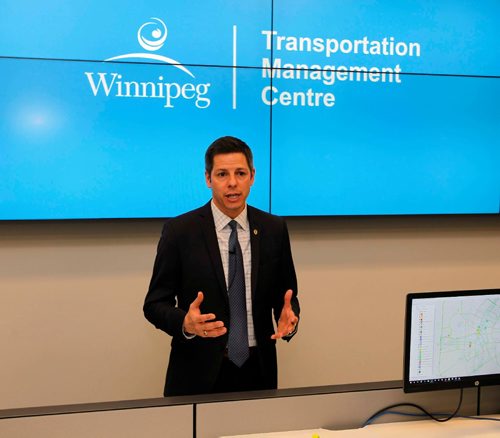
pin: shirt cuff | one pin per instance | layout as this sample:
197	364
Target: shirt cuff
187	335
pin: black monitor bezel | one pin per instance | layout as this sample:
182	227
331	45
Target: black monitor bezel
463	382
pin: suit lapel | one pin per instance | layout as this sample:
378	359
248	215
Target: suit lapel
255	247
208	228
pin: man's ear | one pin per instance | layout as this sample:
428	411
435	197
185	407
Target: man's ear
208	180
253	177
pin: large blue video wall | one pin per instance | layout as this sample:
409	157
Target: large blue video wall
352	107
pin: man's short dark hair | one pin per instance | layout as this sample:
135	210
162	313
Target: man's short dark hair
227	145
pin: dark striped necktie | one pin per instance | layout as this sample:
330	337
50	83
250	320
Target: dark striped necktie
238	351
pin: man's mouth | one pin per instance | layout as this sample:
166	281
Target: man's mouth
233	196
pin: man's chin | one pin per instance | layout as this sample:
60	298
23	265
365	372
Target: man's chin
233	208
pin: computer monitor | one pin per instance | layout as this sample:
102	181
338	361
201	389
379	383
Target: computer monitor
452	340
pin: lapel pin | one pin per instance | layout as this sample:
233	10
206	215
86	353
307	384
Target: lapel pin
255	231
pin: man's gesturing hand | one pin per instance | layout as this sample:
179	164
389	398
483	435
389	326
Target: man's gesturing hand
288	320
203	325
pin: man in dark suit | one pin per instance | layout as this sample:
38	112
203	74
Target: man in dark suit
204	258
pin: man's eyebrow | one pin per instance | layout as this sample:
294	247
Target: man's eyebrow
226	169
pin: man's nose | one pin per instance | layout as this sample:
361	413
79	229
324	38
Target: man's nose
232	180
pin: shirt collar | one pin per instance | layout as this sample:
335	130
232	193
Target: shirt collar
221	220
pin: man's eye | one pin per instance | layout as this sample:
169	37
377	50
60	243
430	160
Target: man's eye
221	174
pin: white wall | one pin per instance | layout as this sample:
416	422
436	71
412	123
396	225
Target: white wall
71	293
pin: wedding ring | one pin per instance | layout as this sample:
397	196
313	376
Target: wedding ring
205	332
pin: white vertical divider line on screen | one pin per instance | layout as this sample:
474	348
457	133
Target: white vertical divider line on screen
235	32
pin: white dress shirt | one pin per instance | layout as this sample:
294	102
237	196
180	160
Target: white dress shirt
223	231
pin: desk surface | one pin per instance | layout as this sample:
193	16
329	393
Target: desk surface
455	428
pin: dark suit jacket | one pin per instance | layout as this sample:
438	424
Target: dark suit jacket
188	261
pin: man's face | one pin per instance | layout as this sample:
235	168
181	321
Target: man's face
230	181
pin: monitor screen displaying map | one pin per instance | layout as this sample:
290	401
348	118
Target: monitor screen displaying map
452	340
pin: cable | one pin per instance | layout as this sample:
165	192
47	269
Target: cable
410	414
383	411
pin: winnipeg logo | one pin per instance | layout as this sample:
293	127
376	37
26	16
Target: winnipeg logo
158	31
151	37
